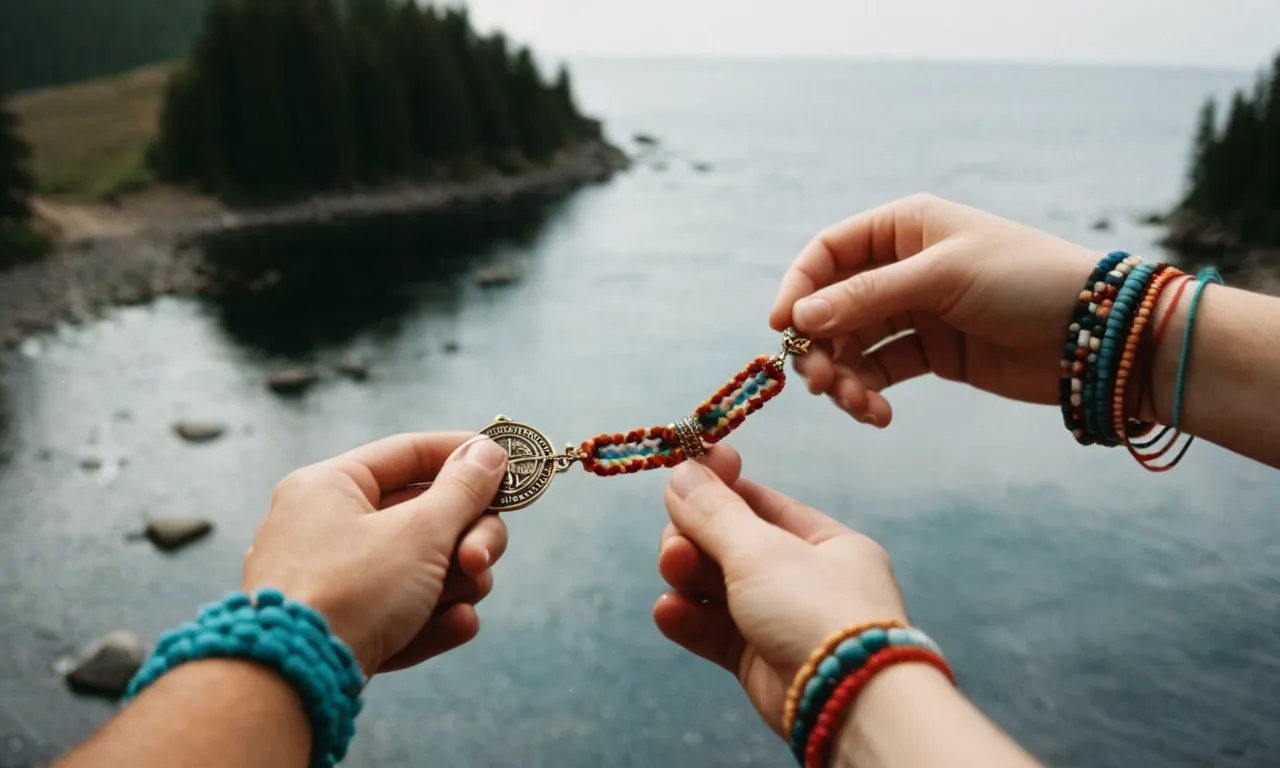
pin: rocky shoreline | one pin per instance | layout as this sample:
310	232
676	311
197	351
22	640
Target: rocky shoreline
81	279
1202	240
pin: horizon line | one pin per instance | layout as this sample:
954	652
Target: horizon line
910	59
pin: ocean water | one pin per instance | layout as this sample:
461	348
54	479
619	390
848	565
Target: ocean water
1103	616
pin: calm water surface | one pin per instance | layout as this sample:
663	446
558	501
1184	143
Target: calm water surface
1104	616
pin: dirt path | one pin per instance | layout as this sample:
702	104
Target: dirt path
74	222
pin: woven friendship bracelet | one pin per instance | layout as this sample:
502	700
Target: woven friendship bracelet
532	462
817	683
281	634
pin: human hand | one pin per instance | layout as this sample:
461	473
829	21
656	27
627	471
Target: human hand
396	571
988	300
760	580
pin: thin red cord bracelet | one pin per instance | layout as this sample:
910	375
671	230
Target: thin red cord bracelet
1146	459
828	721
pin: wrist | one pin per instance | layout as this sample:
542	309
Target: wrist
887	707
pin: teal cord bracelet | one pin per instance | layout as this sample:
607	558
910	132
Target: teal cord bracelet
1203	278
848	657
282	634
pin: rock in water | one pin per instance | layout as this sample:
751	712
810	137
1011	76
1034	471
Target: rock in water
108	665
451	347
353	368
1102	225
292	381
645	139
199	431
169	533
498	274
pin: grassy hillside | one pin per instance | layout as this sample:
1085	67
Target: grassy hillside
51	42
91	138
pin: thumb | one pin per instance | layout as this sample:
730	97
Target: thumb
712	516
464	488
915	283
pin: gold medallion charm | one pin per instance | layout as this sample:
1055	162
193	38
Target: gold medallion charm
532	463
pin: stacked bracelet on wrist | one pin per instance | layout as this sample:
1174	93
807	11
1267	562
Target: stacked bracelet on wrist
1107	343
287	636
837	671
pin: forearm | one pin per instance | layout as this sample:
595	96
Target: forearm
205	714
910	716
1233	372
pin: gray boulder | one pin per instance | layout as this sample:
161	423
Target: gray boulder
170	533
292	381
199	431
107	666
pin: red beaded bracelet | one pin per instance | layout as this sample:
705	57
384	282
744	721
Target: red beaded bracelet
816	751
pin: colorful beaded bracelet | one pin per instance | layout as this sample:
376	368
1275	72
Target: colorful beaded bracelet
281	634
1120	425
1105	344
1080	350
1098	394
844	656
792	701
533	463
818	746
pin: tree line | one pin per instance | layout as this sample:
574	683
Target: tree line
18	240
282	98
1234	178
52	42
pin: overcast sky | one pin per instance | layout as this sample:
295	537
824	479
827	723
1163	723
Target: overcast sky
1216	33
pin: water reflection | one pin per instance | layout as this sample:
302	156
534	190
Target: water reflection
292	291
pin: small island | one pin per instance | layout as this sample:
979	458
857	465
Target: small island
1231	212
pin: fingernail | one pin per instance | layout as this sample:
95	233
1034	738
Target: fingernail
687	477
482	452
487	557
813	313
845	405
872	420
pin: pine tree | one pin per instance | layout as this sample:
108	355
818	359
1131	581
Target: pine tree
16	183
283	98
1202	151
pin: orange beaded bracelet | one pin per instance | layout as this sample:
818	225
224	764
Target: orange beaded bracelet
1129	356
806	670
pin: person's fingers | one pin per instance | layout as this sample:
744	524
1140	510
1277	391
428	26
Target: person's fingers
702	629
443	632
463	490
724	461
394	498
882	235
690	572
482	544
787	513
712	516
394	462
817	367
463	588
920	283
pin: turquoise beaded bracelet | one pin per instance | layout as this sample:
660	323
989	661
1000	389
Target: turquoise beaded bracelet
282	634
848	657
1098	401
